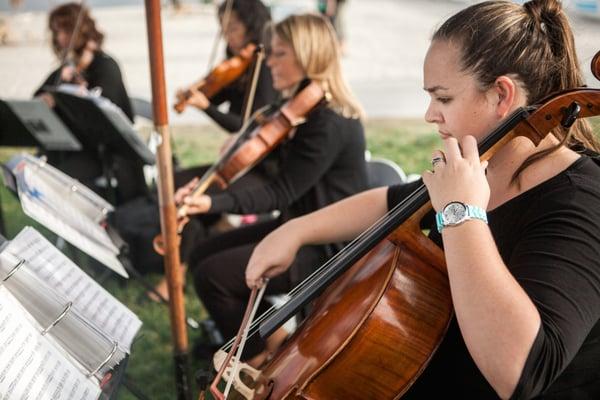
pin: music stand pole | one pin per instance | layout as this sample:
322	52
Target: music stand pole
168	218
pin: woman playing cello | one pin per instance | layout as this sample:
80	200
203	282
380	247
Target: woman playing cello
520	232
322	162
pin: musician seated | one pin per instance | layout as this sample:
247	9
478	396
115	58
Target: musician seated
524	262
78	46
321	161
242	22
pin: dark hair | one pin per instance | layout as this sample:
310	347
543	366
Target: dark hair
253	14
65	17
533	43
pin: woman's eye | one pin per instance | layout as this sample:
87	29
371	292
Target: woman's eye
444	100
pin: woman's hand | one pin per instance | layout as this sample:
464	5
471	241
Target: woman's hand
458	176
185	190
47	98
193	97
196	204
273	255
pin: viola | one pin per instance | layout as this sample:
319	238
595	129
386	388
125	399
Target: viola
267	128
221	76
383	303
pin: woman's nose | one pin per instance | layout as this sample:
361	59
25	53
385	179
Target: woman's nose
431	115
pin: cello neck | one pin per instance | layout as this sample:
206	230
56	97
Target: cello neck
314	285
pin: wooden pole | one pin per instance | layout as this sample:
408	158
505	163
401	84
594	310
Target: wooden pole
168	219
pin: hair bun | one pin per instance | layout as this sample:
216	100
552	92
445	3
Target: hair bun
543	10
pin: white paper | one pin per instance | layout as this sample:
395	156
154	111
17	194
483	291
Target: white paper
49	202
65	277
31	367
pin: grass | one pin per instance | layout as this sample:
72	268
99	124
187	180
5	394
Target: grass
407	142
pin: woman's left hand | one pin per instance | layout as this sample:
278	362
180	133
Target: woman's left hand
459	176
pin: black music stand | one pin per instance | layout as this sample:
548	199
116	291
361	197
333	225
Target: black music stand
31	123
105	132
99	123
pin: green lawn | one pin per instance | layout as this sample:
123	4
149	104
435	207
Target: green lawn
407	142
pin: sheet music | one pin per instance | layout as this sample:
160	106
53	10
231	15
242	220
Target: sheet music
48	202
31	367
64	276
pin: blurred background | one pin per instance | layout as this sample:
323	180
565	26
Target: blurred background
384	50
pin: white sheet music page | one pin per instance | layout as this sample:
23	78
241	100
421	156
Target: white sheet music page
31	367
47	201
64	276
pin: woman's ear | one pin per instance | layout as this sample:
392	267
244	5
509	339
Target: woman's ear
504	94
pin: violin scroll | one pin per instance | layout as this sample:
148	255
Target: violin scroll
596	65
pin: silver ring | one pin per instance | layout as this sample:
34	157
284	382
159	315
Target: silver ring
436	160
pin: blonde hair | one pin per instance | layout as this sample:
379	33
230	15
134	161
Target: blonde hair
317	50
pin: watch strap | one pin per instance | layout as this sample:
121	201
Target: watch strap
472	212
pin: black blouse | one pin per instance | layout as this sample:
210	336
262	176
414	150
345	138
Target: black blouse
322	163
549	237
103	72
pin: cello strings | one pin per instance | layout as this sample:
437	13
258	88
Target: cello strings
314	278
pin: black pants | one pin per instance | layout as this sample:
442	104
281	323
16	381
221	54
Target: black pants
219	265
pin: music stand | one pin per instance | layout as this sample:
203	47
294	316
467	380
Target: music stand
31	123
98	123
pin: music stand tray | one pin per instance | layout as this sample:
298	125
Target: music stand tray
99	124
32	123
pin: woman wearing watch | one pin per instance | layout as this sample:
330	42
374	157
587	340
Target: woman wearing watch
526	286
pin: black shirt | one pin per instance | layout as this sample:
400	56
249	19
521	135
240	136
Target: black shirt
549	237
103	72
322	163
235	95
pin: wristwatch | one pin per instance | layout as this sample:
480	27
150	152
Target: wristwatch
455	213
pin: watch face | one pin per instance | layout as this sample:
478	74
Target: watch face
454	213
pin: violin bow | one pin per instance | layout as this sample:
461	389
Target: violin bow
209	176
238	346
69	48
215	46
259	57
168	218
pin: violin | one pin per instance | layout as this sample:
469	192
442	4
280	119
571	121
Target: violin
221	76
388	289
73	67
267	128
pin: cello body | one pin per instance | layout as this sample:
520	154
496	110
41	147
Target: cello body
392	308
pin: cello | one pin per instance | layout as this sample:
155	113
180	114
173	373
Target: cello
384	301
258	137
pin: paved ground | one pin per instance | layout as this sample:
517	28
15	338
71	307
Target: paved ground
386	46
